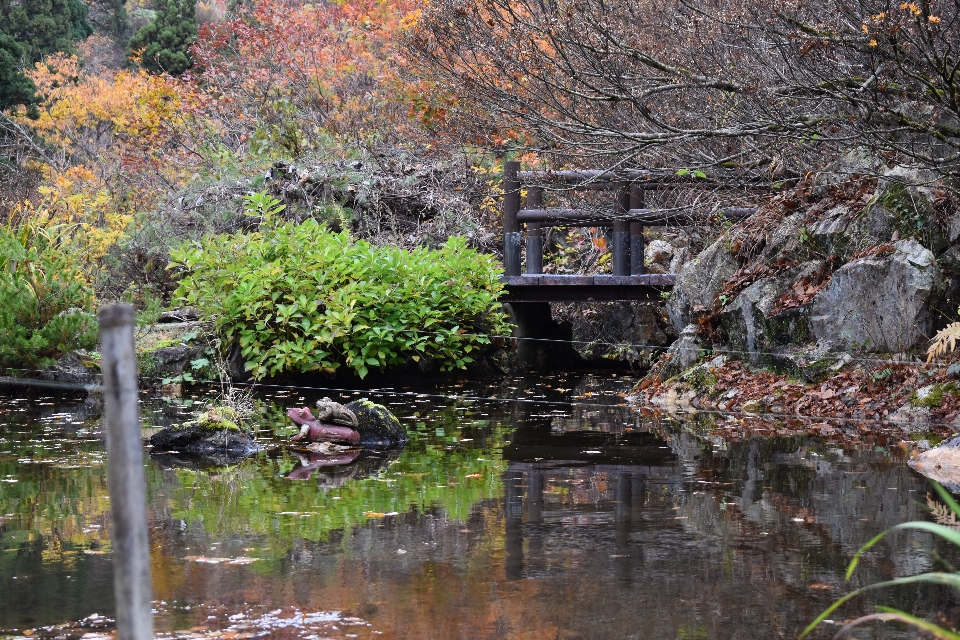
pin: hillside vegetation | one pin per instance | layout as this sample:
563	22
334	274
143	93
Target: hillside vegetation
133	132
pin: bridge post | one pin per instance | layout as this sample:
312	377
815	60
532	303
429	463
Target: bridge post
511	226
534	233
621	232
636	233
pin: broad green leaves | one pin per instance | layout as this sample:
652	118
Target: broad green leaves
299	298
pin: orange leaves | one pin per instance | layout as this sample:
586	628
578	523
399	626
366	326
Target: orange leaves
334	66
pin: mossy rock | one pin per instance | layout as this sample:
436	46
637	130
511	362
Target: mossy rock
932	396
376	425
215	431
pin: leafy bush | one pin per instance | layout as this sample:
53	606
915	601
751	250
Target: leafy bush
43	298
301	298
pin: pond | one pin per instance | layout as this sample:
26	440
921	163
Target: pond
534	507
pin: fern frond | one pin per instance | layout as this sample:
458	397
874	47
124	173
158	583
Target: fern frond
945	341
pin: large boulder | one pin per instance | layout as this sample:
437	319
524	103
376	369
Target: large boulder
376	425
698	282
753	324
878	303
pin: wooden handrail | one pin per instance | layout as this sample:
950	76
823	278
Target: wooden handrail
628	217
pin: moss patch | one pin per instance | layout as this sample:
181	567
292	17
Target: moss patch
933	396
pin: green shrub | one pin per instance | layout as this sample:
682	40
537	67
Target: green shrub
43	299
301	298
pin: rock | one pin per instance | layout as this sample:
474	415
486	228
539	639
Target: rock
187	314
744	320
942	464
698	282
214	432
377	426
812	363
748	324
682	354
680	258
785	237
878	303
236	365
620	330
904	203
170	362
658	252
856	162
829	233
70	369
910	417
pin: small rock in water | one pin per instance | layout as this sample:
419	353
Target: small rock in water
942	464
376	425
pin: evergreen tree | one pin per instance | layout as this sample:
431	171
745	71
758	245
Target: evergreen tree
43	27
15	88
29	31
165	41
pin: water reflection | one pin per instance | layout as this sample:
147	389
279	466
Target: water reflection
499	520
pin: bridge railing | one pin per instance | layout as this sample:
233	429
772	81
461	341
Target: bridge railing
628	215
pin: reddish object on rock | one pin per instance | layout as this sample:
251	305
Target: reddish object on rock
312	430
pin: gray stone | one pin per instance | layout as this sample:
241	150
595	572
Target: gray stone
70	369
698	282
748	324
683	353
744	319
903	203
812	363
878	303
187	314
170	362
658	252
785	237
856	162
829	233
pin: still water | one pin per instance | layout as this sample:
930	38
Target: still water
529	508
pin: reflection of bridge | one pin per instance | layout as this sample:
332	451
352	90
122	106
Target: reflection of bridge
628	217
617	469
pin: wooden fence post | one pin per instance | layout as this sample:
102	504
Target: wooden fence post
534	233
621	232
126	477
511	226
636	233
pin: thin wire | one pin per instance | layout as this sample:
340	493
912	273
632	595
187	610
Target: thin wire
501	400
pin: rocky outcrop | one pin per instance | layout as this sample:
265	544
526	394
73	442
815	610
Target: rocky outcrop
857	260
699	281
878	303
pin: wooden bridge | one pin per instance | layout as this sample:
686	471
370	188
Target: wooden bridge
628	216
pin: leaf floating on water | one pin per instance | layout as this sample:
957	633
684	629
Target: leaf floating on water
209	560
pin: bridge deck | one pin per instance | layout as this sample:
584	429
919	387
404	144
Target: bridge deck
575	288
